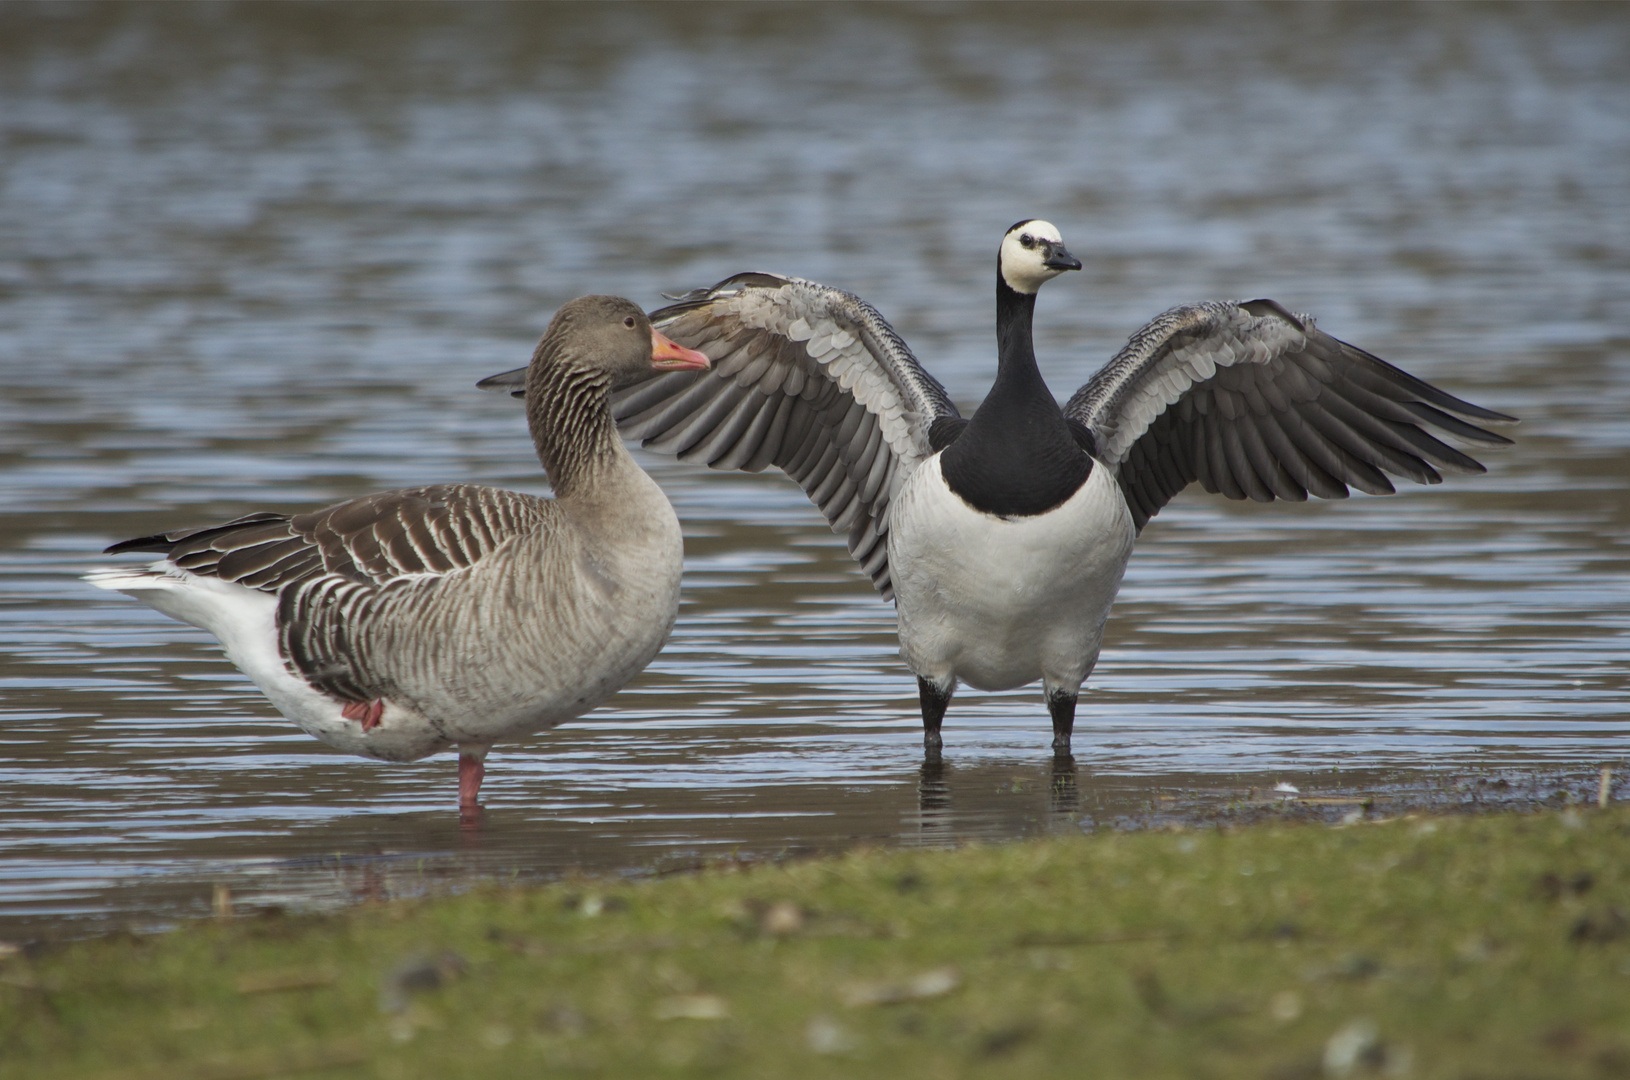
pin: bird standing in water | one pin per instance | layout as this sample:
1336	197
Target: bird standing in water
406	622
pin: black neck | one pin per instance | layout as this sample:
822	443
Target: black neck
1015	352
1017	456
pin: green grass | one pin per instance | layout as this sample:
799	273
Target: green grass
1429	947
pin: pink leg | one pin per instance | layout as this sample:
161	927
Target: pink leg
470	772
368	712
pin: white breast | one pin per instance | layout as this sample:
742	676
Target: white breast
1001	602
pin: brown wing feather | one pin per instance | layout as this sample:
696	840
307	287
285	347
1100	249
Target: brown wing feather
371	540
327	567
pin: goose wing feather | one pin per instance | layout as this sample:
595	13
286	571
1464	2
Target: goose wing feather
810	379
326	567
369	541
1257	403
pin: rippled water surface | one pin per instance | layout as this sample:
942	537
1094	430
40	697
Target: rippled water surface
257	257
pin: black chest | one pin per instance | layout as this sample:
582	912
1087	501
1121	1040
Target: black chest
1017	456
1024	464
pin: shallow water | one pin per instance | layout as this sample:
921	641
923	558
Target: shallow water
258	257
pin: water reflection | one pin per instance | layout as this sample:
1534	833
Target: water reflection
256	257
936	821
1063	793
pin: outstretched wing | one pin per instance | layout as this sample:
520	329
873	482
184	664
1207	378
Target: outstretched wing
367	541
806	378
1256	403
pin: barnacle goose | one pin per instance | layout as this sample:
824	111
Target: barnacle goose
1002	537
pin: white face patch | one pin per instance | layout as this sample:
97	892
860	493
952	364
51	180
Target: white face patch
1023	255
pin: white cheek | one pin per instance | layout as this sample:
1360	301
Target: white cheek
1023	270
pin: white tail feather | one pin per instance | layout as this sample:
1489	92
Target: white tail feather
125	579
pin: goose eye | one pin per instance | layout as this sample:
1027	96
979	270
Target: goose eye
629	322
1027	240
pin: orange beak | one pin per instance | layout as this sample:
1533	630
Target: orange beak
668	355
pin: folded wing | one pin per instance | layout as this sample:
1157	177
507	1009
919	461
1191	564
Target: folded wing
1256	403
369	541
328	568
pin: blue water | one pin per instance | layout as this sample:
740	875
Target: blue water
257	257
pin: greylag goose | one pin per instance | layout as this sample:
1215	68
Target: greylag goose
1002	537
402	623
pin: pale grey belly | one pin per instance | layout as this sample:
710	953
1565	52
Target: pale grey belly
537	651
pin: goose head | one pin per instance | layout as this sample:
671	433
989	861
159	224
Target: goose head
611	337
1032	254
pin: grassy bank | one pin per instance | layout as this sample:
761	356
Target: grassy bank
1455	947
